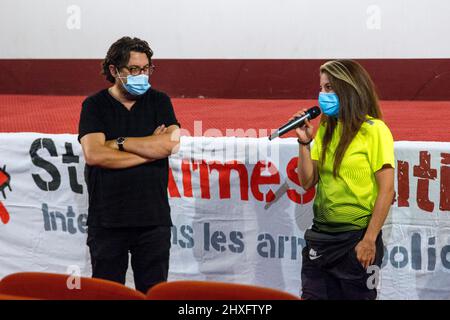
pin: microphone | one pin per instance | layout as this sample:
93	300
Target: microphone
297	122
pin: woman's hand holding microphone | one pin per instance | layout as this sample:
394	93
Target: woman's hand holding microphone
305	132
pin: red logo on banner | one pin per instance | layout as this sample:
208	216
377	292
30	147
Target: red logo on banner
4	182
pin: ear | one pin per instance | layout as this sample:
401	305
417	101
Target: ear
113	70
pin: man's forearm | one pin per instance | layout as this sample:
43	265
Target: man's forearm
154	147
113	159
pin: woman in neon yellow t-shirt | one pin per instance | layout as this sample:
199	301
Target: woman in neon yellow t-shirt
351	162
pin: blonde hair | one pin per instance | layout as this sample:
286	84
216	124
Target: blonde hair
357	99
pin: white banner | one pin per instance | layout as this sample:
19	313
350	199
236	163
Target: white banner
43	224
239	214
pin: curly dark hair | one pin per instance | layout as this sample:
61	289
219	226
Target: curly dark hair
119	54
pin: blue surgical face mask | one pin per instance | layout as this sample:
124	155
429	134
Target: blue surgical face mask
329	103
136	85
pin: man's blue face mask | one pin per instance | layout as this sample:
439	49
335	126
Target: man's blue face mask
136	85
329	103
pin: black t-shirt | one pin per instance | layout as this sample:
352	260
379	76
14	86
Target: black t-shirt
134	196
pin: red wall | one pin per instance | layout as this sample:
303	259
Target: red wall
396	79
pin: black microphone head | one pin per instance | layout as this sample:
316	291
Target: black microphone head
313	112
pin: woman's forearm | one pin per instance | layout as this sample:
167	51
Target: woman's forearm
306	168
385	179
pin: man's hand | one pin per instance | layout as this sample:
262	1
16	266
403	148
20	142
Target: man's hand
365	252
160	130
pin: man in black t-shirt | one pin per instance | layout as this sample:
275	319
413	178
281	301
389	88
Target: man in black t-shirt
127	133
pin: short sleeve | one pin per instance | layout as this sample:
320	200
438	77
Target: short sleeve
381	146
90	119
316	148
166	114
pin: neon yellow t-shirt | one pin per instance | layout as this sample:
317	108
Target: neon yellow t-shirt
346	202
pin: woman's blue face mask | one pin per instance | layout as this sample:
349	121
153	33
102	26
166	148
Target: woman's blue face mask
329	103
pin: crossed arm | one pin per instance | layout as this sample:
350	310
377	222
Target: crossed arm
99	152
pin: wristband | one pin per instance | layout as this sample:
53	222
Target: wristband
304	143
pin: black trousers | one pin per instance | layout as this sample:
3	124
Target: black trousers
331	270
149	248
